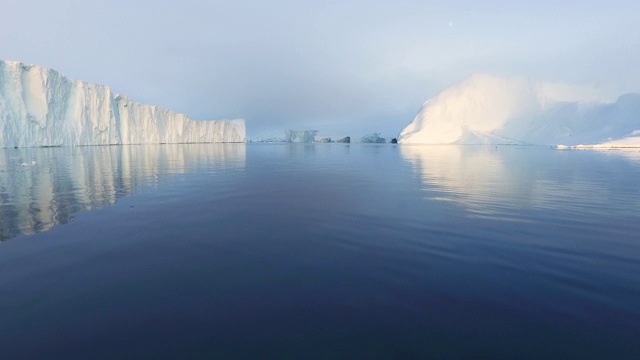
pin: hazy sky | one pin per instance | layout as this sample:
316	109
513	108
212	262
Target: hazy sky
343	67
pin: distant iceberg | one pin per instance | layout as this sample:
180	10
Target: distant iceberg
300	136
42	107
492	110
373	138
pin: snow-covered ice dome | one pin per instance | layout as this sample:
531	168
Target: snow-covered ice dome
494	110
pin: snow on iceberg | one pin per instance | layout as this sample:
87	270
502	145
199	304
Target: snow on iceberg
42	107
492	110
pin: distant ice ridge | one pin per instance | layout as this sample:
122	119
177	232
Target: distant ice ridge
42	107
492	110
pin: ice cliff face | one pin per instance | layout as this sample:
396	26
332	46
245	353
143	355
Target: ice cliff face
42	107
487	109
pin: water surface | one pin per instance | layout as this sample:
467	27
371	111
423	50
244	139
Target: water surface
319	251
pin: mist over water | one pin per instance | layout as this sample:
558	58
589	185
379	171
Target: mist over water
319	250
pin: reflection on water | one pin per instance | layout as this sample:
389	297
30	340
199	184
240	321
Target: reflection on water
628	153
490	180
378	250
42	187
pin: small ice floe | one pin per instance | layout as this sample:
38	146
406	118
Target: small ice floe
25	164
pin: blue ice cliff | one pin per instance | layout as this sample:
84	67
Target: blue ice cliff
42	107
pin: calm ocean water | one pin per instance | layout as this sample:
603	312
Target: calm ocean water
319	251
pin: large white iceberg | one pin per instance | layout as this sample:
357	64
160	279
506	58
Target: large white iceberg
42	107
492	110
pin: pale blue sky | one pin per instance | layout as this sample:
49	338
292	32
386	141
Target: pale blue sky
343	67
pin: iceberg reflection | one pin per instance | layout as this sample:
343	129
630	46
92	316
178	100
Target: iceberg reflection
489	181
43	187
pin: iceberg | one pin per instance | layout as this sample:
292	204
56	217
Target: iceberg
373	139
493	110
300	136
42	107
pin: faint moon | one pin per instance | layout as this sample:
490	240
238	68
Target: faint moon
450	24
